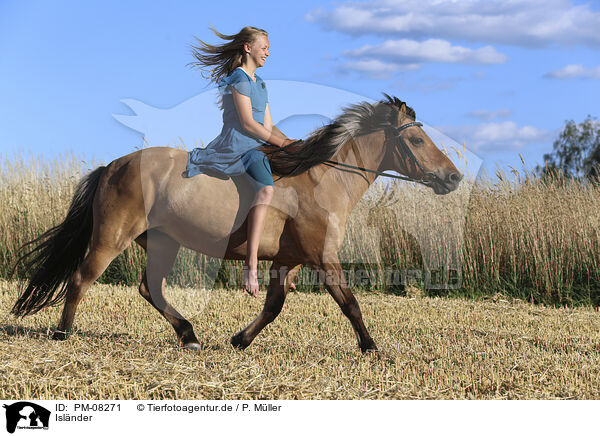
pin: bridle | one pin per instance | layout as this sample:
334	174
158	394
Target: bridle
392	134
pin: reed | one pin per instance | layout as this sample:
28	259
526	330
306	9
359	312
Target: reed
528	237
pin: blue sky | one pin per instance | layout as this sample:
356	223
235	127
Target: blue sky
500	76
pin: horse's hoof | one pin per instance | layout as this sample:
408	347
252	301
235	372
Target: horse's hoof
238	342
369	348
60	335
192	346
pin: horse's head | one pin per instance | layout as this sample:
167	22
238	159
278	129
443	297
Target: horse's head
412	153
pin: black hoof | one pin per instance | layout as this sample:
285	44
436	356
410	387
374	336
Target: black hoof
60	335
369	348
239	342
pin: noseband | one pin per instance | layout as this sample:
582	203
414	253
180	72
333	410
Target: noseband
392	134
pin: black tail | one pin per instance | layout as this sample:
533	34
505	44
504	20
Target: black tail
59	252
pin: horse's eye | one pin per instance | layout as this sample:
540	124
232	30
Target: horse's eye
417	141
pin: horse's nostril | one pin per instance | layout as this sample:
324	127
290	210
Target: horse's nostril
455	177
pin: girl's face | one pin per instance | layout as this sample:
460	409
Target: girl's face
258	50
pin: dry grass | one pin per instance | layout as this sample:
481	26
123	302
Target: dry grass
34	195
431	348
534	239
540	237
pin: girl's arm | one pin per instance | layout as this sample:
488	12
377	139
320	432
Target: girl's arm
243	106
269	124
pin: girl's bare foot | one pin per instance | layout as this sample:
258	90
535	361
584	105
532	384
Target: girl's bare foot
250	280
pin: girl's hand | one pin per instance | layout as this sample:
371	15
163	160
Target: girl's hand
287	142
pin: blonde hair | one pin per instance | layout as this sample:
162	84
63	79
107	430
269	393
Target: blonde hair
223	59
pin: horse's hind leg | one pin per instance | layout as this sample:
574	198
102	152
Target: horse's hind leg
279	285
161	252
94	264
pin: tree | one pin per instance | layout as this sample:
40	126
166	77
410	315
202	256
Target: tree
576	151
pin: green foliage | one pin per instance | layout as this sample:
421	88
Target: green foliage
576	151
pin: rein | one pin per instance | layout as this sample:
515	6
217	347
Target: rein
405	149
391	133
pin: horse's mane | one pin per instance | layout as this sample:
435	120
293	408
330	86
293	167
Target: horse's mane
323	143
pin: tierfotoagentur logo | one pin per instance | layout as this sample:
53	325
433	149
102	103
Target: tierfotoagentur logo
26	416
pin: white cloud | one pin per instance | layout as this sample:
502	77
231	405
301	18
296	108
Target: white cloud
377	69
431	50
488	115
516	22
497	136
575	71
428	83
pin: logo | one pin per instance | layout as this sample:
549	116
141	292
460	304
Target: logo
26	415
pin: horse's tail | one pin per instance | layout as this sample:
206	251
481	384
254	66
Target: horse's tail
59	252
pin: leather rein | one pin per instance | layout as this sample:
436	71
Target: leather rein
392	133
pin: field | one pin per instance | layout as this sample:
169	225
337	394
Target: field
430	348
521	322
533	239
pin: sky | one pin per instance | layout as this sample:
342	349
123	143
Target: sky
500	78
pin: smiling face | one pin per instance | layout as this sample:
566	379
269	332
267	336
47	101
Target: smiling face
258	51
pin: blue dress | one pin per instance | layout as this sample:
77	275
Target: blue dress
233	151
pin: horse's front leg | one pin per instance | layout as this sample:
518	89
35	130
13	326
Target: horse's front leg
336	285
276	292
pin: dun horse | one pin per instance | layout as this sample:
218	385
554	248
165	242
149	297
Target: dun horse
144	197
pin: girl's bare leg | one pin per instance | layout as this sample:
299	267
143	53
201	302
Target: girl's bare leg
256	221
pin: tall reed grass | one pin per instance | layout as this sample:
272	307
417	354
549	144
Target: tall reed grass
531	238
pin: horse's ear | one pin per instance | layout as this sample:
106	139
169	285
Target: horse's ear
403	108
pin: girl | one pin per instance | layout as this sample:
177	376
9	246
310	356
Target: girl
246	119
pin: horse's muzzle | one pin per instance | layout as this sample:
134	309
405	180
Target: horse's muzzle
443	183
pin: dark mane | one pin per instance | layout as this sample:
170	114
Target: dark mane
323	143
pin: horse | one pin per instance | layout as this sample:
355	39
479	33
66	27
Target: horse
144	197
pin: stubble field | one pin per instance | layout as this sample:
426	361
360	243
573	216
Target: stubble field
517	239
430	348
